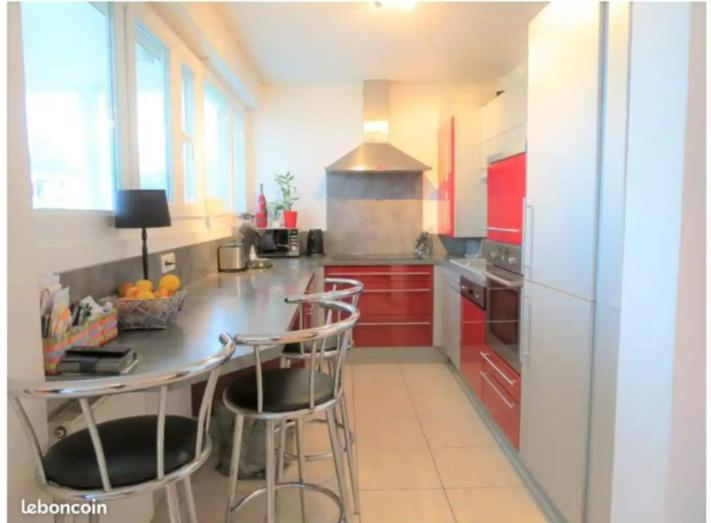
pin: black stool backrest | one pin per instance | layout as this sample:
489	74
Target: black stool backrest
339	328
82	390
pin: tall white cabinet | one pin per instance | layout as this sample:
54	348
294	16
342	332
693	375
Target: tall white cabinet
564	87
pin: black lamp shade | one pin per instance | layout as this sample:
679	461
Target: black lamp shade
137	208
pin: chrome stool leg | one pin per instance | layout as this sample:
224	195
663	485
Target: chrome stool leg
270	472
338	461
173	503
300	453
350	453
190	500
234	466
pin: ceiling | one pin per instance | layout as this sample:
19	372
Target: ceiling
335	42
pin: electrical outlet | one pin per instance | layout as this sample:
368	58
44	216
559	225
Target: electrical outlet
167	262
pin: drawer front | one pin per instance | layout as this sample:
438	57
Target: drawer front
505	411
400	303
378	270
505	377
400	334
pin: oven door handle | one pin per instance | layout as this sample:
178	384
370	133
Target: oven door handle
502	281
500	394
500	372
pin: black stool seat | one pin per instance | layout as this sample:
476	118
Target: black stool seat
285	390
129	447
295	348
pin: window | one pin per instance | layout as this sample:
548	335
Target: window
217	146
69	104
240	163
153	111
187	102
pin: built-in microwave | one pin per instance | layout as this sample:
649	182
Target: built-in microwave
279	243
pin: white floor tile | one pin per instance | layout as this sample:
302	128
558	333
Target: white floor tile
392	406
397	469
494	505
390	433
475	467
405	506
462	432
440	406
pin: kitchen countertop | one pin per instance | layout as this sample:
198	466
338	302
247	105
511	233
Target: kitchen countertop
249	302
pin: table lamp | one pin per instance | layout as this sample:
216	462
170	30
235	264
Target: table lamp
142	209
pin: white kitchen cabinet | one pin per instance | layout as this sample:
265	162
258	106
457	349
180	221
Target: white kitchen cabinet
556	373
505	112
450	321
461	191
564	87
507	144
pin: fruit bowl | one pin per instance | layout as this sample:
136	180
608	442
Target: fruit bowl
155	313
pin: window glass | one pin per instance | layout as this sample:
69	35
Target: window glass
217	146
187	98
239	163
152	110
67	51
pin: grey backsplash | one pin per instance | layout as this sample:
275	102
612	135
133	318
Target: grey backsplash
193	262
381	214
371	213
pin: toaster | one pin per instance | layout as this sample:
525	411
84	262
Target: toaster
232	256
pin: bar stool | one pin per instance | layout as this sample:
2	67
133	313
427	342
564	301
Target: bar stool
348	291
278	395
130	456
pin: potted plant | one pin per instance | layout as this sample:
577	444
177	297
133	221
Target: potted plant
288	197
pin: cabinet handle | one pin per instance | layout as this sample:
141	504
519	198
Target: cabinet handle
385	324
395	290
500	394
502	229
501	373
527	237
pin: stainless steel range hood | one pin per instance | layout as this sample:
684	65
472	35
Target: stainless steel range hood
375	154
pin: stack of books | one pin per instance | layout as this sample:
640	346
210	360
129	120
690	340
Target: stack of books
92	361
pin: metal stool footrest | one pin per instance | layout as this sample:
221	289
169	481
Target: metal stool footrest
323	455
292	484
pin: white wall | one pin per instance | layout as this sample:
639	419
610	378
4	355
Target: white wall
687	460
24	343
302	129
305	127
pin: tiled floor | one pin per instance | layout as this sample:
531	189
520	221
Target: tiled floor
424	457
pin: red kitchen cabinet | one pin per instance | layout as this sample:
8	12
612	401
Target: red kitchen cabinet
460	184
395	306
473	343
501	394
445	182
505	193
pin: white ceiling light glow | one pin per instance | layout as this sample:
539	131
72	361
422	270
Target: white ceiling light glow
405	5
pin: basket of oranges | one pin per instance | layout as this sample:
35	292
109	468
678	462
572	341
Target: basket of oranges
141	306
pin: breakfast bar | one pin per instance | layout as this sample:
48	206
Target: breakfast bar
250	302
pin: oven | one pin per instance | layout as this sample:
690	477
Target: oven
503	320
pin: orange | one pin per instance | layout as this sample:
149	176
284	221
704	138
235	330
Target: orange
123	288
132	292
145	295
169	282
145	285
163	293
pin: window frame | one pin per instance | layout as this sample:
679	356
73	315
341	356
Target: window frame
235	106
123	38
116	38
